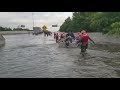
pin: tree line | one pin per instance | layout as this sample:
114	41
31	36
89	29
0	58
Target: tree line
14	29
105	22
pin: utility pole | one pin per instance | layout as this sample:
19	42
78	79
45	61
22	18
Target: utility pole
33	19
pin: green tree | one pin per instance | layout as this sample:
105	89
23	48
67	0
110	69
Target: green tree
115	29
5	29
92	22
65	27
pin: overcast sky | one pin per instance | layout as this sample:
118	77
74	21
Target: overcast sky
14	19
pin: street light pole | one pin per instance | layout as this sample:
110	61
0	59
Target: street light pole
33	19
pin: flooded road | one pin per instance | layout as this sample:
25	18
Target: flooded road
29	56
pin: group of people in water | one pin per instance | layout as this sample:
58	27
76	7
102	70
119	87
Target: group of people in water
47	33
81	39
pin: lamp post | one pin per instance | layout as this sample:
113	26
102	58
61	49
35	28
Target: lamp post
33	20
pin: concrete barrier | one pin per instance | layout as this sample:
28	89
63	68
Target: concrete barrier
2	40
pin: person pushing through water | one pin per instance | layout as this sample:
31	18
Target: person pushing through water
84	37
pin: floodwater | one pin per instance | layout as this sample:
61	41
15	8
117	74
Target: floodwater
29	56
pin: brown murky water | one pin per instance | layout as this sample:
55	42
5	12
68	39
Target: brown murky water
28	56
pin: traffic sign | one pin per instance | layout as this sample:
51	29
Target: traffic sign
44	27
54	25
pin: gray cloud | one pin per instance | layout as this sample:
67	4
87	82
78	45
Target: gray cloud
13	19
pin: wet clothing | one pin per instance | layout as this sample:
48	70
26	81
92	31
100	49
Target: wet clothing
84	39
68	38
62	36
56	37
72	35
83	48
67	35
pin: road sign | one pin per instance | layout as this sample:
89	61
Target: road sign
22	25
54	25
44	27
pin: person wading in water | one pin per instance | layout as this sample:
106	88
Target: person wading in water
57	37
84	37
